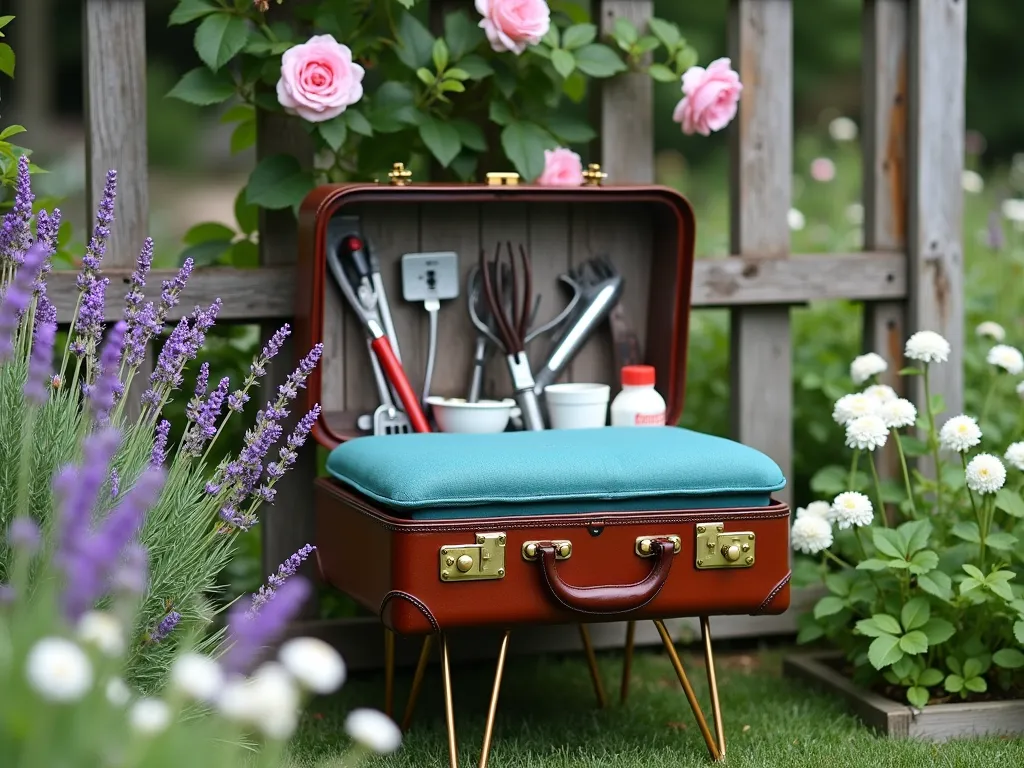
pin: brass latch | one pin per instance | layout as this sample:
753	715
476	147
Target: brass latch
645	544
563	549
718	549
474	562
502	179
398	176
593	176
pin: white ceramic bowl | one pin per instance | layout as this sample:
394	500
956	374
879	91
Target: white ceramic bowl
458	415
577	406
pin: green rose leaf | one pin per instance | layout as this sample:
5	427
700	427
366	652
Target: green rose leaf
334	132
645	44
578	35
872	564
524	144
244	253
903	669
1018	631
827	606
878	625
914	447
665	31
915	613
7	59
973	571
392	108
190	10
243	137
930	677
598	60
415	43
461	34
914	642
206	253
206	231
426	76
889	542
883	651
625	31
1000	588
1008	658
954	683
476	66
937	583
662	74
1011	503
918	696
563	62
219	38
967	531
1004	542
247	216
11	130
277	182
500	113
357	122
924	561
202	87
441	138
686	58
938	630
465	166
973	667
470	135
238	113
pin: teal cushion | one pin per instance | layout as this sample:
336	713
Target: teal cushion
437	475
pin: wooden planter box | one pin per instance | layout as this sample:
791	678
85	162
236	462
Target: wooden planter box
937	722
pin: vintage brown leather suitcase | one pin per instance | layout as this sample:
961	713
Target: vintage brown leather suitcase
429	564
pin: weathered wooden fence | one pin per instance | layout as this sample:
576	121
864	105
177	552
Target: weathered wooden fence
908	275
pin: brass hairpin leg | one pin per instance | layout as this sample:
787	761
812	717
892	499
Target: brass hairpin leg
485	753
595	673
709	661
417	682
688	690
389	672
627	660
449	706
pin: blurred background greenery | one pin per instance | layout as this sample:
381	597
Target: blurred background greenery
195	178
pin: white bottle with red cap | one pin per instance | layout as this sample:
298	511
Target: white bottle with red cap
638	404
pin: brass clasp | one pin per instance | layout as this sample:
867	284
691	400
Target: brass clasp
531	549
398	176
474	562
718	549
592	177
502	179
644	545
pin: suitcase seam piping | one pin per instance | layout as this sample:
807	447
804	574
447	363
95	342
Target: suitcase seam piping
396	593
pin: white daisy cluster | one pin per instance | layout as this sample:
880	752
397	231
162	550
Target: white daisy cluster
927	347
898	413
1006	357
853	406
991	330
811	534
812	529
865	367
865	433
852	509
960	434
1015	455
883	393
985	473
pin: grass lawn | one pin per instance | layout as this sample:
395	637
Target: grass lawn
547	717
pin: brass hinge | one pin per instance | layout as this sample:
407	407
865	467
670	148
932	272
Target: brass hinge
502	179
644	545
474	562
717	548
563	549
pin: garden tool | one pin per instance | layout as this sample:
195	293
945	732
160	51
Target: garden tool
598	287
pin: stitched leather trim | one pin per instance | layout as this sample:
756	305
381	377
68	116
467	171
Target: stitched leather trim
397	593
773	593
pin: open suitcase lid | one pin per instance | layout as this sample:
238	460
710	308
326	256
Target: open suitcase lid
665	350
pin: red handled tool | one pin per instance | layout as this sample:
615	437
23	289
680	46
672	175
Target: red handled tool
396	375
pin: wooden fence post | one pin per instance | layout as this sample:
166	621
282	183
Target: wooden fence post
761	45
114	47
937	74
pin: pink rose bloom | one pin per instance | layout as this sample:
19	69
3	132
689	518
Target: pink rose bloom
511	25
823	169
319	80
709	99
562	168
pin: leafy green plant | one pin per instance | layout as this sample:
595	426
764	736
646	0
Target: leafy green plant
922	575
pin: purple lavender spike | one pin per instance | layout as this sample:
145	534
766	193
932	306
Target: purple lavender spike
108	385
115	483
97	247
140	332
285	571
248	636
133	299
40	365
19	293
77	488
204	427
165	627
15	237
89	324
24	534
48	227
171	289
159	454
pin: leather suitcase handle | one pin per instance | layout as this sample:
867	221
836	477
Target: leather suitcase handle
618	598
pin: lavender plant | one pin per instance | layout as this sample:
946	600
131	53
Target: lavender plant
60	405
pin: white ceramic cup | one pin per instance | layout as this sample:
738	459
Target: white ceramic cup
457	415
577	406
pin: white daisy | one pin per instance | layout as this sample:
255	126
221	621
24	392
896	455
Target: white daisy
275	701
960	434
851	508
58	670
972	182
991	330
1013	209
314	663
864	367
1006	357
373	730
1015	455
865	433
985	473
198	677
814	509
796	220
928	347
898	413
811	534
149	716
842	129
853	406
104	631
883	393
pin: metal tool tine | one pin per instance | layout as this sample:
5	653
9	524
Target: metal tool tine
527	291
499	316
